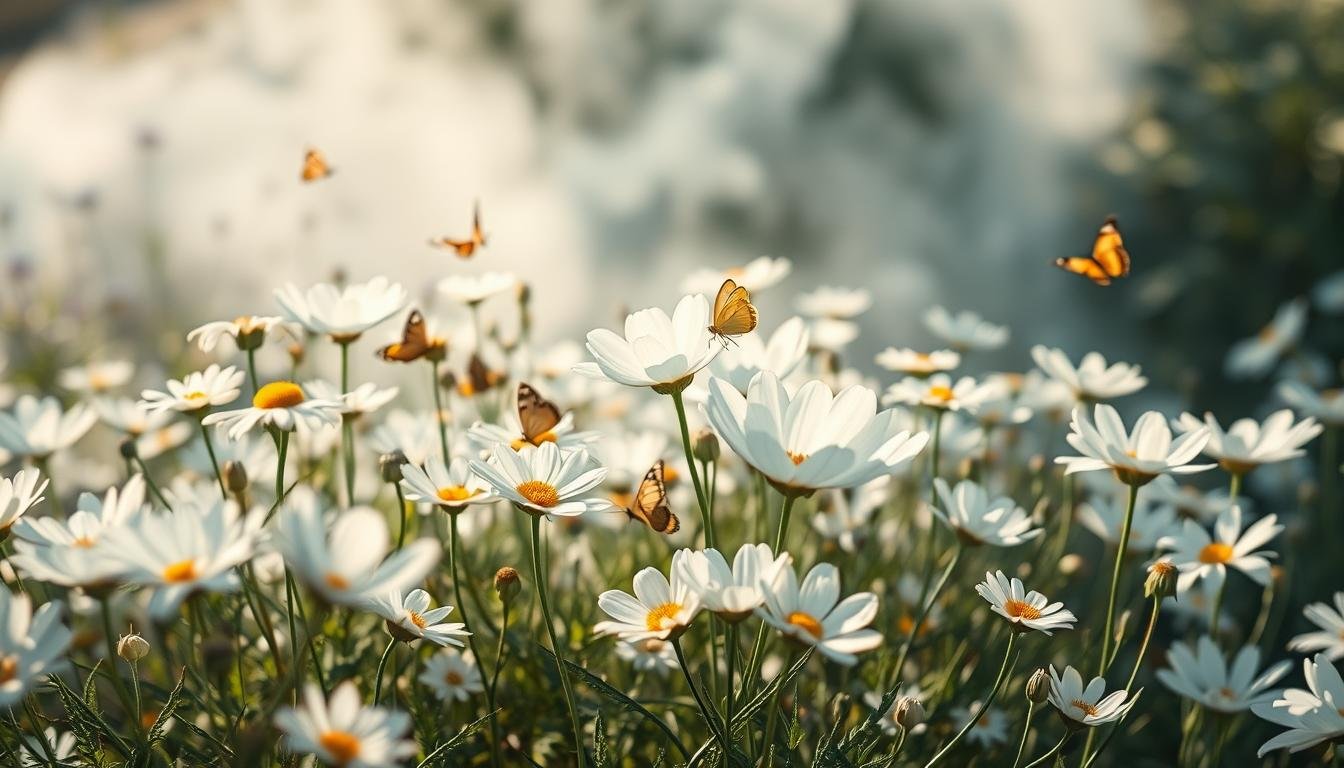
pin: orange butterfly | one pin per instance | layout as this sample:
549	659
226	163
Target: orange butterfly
415	342
649	505
734	313
537	416
315	166
479	378
465	249
1109	259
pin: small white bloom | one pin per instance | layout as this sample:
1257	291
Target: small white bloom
844	514
545	479
1248	444
37	428
360	401
1202	674
1328	405
131	417
1256	356
1329	639
1136	457
415	435
342	313
196	391
732	593
1085	706
410	618
661	609
1024	610
452	675
831	335
656	351
991	726
1199	555
247	331
96	378
32	755
1104	515
937	392
965	330
1311	716
18	495
918	364
452	487
782	354
834	303
756	275
1329	293
814	614
1093	379
344	732
279	404
649	655
32	645
473	289
977	519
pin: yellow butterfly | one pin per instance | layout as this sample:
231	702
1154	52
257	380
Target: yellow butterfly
537	416
465	249
649	505
734	313
1109	259
415	342
315	166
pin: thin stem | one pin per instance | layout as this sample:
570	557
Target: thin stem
1005	669
382	664
708	712
454	557
540	577
438	414
695	473
283	451
252	370
150	484
401	516
1026	730
782	533
293	634
494	683
758	649
1040	761
214	462
112	663
1109	627
730	648
347	429
924	608
1143	647
1217	609
39	733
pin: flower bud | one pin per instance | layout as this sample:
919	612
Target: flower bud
507	584
1161	581
128	449
389	465
296	353
132	647
706	446
909	712
1038	686
840	707
235	476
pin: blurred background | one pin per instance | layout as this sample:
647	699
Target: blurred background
934	153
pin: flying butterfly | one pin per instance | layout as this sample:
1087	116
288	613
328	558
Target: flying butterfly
734	314
415	342
315	166
479	378
464	249
649	505
536	415
1109	259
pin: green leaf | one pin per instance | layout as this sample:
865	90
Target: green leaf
88	725
599	742
160	727
441	752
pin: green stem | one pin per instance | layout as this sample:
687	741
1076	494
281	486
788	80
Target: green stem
347	430
730	648
438	415
283	452
540	576
758	649
401	516
112	672
454	557
1120	551
1040	761
150	484
708	712
252	370
705	516
214	462
1005	669
382	664
924	608
38	733
1217	609
1143	647
494	683
1026	730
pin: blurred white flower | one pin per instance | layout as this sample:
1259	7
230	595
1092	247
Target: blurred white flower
657	351
195	392
410	618
844	514
649	655
32	645
344	732
782	354
342	314
360	401
247	331
1092	379
1311	716
1136	458
62	747
1328	406
991	725
1329	293
756	275
814	614
918	364
1329	639
1248	444
130	417
35	429
936	391
834	303
977	519
965	330
415	435
450	488
1203	675
473	289
17	495
452	675
1104	515
829	334
96	378
1201	556
1254	357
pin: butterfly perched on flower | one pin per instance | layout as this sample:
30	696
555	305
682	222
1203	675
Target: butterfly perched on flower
415	342
734	314
479	378
649	504
1109	259
315	166
464	249
537	416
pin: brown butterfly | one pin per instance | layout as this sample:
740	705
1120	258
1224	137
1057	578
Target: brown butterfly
479	378
734	313
649	506
537	416
415	342
315	166
1109	259
464	249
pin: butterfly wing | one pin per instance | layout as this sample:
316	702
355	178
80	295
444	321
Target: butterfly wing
1109	250
477	234
536	414
650	504
314	166
414	341
1085	266
734	314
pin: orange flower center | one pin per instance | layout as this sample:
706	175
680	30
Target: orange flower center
336	580
180	572
278	394
1084	707
940	393
453	677
9	669
544	437
1020	610
417	619
797	458
343	747
807	622
661	616
83	542
455	493
1217	552
195	396
540	493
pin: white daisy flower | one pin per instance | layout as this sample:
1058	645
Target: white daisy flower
452	676
486	435
1093	379
1047	396
194	548
360	401
1085	707
17	496
732	593
1104	516
544	480
1328	405
814	615
834	303
62	746
247	331
96	378
346	566
782	354
977	519
1187	500
1024	610
991	727
937	392
756	275
830	335
1202	674
659	609
1311	716
195	392
1329	639
37	428
409	618
657	351
1254	357
965	330
345	733
648	655
1247	444
342	314
814	439
473	289
998	401
92	516
451	488
415	435
918	364
1136	458
844	515
1199	555
1329	293
163	440
279	404
32	645
130	417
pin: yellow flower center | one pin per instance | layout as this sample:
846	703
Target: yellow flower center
336	580
540	493
83	542
544	437
343	747
453	678
455	493
417	619
940	393
195	396
797	458
1020	610
1084	707
1217	552
806	622
660	616
180	572
9	668
278	394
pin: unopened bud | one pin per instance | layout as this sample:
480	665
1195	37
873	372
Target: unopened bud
1161	581
389	465
295	353
132	647
840	707
235	476
707	446
1038	686
909	712
128	449
507	584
